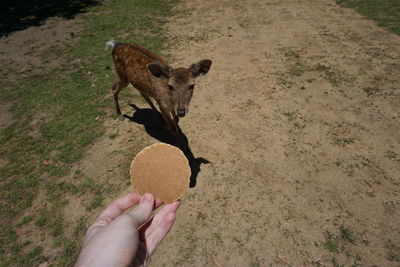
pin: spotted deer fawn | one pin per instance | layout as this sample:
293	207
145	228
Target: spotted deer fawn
153	77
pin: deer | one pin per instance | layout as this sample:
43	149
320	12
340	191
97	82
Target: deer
154	78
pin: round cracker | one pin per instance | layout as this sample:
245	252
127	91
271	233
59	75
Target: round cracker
162	170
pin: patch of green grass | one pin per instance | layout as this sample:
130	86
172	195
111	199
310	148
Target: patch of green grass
41	221
284	80
335	263
321	67
8	244
96	202
80	226
296	68
393	251
55	191
391	155
69	251
113	136
335	77
290	115
25	220
298	122
71	101
217	238
57	226
292	55
370	90
249	104
343	141
332	243
393	256
356	262
335	243
347	234
385	12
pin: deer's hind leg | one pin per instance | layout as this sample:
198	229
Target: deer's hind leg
122	82
117	87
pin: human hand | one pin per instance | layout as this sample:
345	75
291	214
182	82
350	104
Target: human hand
116	239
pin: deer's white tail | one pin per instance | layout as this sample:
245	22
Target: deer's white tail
111	44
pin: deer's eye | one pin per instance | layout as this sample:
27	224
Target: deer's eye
170	87
191	87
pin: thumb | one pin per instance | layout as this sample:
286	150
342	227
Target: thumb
142	212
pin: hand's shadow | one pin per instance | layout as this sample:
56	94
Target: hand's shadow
153	126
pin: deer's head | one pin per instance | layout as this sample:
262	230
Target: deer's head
179	83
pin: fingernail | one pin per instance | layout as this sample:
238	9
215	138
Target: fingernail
147	198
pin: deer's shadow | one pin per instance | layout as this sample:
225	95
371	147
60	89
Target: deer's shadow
153	126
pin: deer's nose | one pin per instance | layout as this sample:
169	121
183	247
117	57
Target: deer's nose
181	112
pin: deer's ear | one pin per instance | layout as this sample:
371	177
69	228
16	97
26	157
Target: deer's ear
201	67
158	70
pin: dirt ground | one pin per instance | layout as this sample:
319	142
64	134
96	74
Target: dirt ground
299	117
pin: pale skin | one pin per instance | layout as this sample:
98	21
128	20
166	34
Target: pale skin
127	239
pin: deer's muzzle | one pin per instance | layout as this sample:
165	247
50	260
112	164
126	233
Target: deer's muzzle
181	112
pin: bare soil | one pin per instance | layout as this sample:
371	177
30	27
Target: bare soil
299	117
27	50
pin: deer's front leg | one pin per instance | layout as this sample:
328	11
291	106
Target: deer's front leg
165	108
176	118
167	118
148	100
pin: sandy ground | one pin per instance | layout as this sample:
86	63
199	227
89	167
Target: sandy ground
299	117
